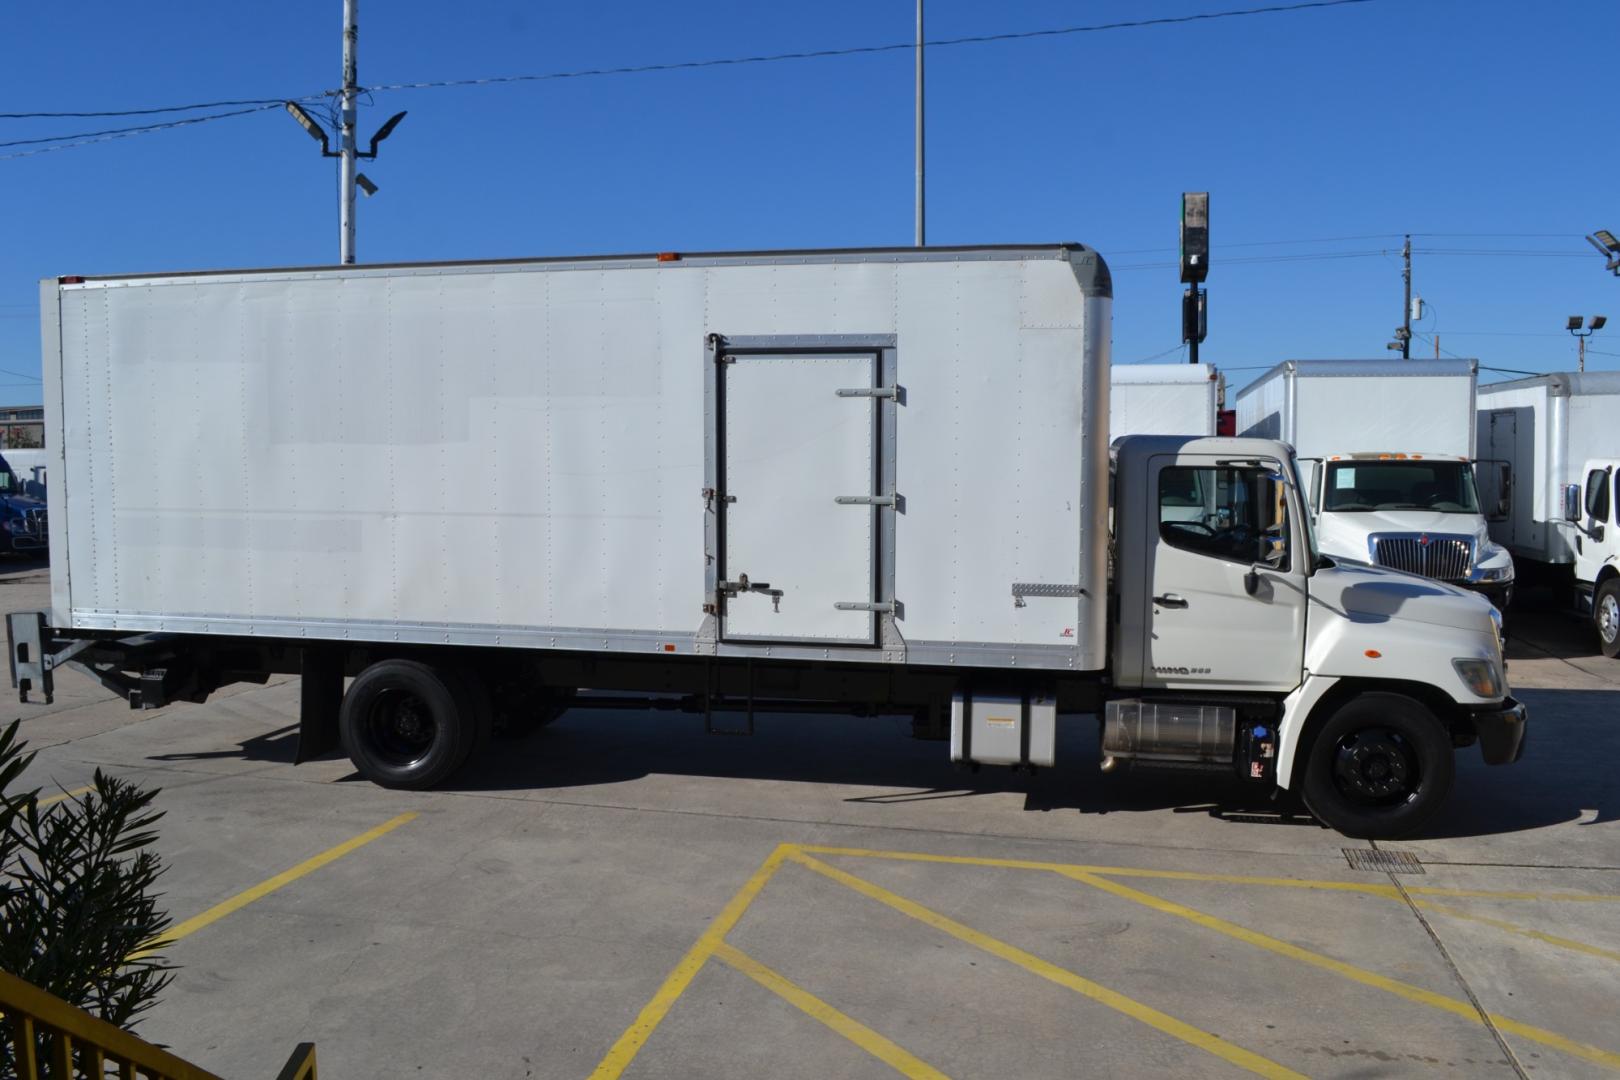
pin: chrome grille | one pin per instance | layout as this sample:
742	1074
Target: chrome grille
37	524
1446	558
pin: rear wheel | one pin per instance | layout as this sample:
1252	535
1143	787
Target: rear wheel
406	725
1606	616
1380	767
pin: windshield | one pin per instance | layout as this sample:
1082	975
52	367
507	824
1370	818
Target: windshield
1443	486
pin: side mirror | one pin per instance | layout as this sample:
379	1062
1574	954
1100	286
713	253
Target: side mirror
1572	502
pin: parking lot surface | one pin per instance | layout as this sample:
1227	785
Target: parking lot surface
624	895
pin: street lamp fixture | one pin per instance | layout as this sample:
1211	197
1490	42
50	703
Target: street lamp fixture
1609	247
307	122
1592	324
382	133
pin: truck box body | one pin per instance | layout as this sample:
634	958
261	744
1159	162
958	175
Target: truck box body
1359	406
884	455
1544	429
1163	399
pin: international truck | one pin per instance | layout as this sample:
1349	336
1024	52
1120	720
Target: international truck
1390	444
22	503
1164	399
1555	438
871	480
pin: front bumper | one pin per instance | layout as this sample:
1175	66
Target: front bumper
1499	593
1501	731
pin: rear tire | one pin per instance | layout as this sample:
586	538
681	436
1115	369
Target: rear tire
405	725
1379	768
1606	617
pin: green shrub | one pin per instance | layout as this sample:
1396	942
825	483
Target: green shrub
77	891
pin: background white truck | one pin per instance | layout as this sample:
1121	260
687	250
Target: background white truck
1164	399
775	481
1390	445
1552	433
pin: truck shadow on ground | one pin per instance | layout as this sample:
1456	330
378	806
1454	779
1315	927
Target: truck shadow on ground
1566	773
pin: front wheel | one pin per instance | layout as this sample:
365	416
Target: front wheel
1606	616
1379	768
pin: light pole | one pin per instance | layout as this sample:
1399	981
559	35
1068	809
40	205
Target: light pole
921	216
347	155
1593	324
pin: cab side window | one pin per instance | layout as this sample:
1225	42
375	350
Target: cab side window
1597	494
1234	514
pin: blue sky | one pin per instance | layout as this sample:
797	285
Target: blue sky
1486	125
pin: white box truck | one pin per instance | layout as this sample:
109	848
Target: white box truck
1390	444
1163	399
873	480
1553	440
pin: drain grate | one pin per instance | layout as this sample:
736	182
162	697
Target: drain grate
1384	862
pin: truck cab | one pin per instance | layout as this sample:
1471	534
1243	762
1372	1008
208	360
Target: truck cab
1593	508
1238	640
1415	512
23	528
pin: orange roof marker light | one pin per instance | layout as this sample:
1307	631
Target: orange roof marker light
669	256
1372	654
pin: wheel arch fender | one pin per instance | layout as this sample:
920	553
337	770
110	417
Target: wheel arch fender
1319	697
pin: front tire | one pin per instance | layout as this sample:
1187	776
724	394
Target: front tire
1606	617
1379	768
405	725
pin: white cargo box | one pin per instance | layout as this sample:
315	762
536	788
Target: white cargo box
1326	407
1544	429
1163	399
884	455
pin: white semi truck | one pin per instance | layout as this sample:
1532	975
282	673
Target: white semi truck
1390	445
1164	399
1554	439
873	480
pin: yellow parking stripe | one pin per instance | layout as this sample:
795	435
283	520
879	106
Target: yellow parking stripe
265	888
1061	976
52	800
1454	1006
891	1054
1523	931
624	1051
1369	888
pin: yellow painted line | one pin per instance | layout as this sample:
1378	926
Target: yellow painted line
265	888
624	1051
890	1053
52	800
1523	931
1371	889
1136	1010
1456	1007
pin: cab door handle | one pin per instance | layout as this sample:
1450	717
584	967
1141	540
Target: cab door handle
1171	600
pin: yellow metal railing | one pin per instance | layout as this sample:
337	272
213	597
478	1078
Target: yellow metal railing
76	1043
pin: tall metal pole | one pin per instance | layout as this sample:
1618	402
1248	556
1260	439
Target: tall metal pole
1582	367
1406	314
921	234
351	36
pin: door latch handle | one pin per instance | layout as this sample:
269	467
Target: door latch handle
1170	600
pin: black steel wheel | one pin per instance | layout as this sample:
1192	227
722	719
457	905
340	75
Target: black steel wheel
405	725
1379	767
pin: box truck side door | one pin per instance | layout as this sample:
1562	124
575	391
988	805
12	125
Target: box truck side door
1214	523
798	496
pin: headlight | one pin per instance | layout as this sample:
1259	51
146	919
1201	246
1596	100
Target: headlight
1498	573
1479	676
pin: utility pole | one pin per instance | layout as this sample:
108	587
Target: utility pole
346	165
921	233
1406	312
1593	324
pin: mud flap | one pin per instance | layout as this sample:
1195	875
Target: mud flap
320	695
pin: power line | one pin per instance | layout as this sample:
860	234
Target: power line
140	112
85	138
258	105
